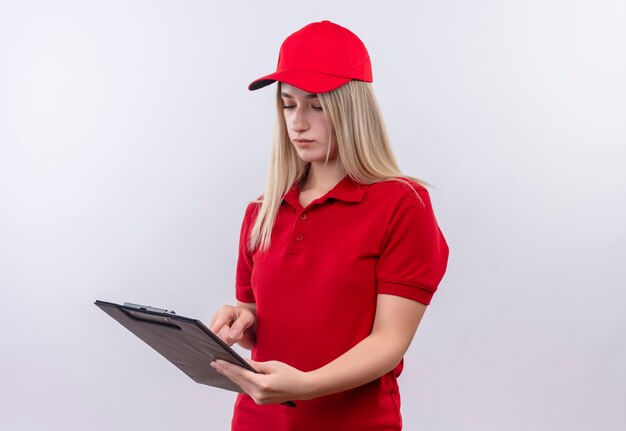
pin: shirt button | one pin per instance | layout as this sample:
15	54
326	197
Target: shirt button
303	216
299	238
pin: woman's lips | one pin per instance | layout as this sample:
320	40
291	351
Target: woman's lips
302	142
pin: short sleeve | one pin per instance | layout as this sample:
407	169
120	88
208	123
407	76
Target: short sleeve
243	276
414	253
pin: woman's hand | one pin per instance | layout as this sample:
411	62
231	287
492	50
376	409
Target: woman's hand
235	324
276	383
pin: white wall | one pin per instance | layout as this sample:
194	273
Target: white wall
129	146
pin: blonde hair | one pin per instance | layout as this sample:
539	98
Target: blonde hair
364	152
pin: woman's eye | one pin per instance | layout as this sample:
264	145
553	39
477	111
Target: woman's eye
314	107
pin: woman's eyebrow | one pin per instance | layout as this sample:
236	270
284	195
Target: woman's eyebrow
308	96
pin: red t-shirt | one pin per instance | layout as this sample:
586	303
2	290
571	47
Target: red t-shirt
316	287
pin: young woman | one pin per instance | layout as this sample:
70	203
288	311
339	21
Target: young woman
337	260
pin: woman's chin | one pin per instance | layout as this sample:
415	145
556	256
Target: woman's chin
311	158
308	157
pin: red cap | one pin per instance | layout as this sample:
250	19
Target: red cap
318	58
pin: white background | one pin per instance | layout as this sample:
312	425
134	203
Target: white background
129	147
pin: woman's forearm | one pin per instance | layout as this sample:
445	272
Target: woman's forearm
396	323
368	360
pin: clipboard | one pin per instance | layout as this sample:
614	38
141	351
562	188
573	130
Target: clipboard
187	343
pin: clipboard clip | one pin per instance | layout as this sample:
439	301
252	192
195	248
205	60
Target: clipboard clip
147	308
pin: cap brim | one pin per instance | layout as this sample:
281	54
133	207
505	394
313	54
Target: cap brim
309	81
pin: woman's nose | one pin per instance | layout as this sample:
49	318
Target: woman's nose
298	121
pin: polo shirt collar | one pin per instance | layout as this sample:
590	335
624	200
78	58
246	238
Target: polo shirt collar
346	190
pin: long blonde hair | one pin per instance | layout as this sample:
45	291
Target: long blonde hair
363	146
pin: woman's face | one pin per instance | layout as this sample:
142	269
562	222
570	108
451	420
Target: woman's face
310	132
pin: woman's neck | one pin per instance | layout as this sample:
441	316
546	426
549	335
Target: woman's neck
323	176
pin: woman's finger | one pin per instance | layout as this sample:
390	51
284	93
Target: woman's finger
243	322
267	367
237	374
224	334
261	367
222	317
